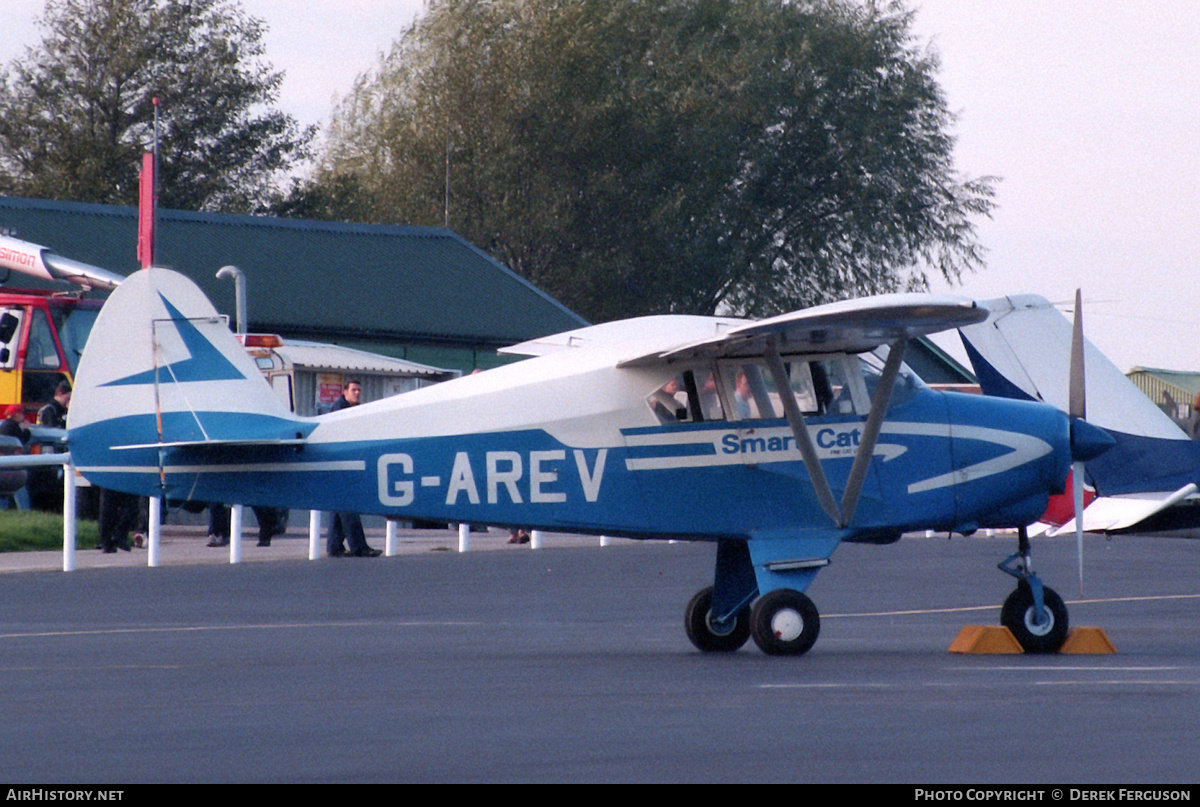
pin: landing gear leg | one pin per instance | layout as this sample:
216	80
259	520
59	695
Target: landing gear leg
1034	613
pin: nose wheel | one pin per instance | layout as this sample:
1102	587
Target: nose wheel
1034	613
1036	632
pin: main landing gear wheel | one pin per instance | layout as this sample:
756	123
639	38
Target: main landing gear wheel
1019	615
784	622
706	635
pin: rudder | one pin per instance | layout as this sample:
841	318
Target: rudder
161	368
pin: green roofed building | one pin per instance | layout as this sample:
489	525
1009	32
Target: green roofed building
418	293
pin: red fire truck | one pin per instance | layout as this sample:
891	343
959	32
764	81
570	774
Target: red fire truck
42	333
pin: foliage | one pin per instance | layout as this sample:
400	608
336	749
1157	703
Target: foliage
77	112
648	156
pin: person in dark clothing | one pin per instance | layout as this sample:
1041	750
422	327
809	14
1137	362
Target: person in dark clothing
13	425
347	527
54	414
118	515
218	524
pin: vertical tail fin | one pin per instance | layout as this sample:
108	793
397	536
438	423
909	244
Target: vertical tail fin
162	369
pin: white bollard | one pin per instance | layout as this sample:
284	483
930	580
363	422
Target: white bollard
535	539
68	517
154	531
605	540
314	534
464	537
235	533
389	539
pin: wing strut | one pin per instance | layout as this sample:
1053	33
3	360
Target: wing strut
800	431
866	445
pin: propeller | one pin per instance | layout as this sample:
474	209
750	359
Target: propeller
1078	412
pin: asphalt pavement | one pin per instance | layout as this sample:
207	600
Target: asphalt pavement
569	663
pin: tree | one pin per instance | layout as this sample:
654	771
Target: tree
648	156
77	111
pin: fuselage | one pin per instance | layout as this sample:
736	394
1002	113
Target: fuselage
570	441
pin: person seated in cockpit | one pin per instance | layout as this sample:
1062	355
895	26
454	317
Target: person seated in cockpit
666	403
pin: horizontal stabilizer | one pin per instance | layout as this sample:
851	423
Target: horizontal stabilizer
215	444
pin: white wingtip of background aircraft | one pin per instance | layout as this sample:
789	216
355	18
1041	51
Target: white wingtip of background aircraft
774	440
1148	480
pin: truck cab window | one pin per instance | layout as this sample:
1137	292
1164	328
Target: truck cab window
41	352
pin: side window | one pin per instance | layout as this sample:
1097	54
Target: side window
846	393
829	385
690	397
669	402
10	336
749	391
41	352
907	383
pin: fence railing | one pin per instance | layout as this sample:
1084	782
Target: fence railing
154	527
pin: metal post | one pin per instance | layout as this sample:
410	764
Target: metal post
235	533
535	539
389	541
154	531
239	292
68	517
464	537
314	534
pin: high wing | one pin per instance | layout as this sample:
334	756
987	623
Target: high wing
850	326
1151	474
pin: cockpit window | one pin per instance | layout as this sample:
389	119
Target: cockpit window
908	383
690	397
821	386
833	385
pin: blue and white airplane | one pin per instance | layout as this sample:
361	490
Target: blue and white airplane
1149	480
775	440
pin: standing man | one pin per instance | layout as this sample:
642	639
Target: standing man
348	526
54	414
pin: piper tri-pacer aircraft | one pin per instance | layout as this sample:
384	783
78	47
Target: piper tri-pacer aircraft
1148	480
776	440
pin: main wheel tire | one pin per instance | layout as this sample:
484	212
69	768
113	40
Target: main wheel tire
713	638
1019	615
784	622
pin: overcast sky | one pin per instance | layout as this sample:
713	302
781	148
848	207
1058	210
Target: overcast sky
1088	112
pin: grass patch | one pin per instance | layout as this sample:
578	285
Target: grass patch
31	530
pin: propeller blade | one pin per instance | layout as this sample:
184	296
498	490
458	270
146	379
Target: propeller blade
1077	392
1078	407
